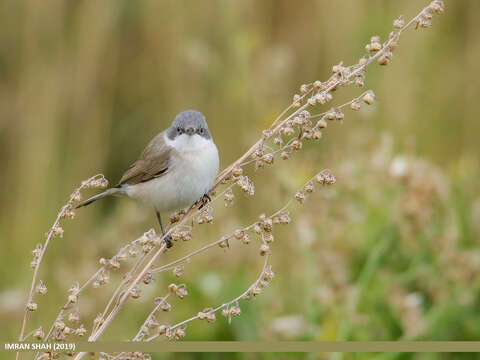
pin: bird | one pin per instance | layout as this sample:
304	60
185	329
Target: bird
176	169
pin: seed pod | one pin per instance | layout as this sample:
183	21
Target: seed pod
375	46
229	196
59	325
238	234
355	105
32	306
224	242
235	310
178	270
172	288
268	237
211	317
284	155
330	179
268	225
321	124
268	275
399	23
74	317
247	296
259	164
309	188
264	250
165	306
152	323
320	98
39	334
300	197
330	115
41	288
237	171
267	134
135	292
438	7
114	264
81	331
256	291
288	131
296	144
181	292
147	279
269	158
360	81
179	333
369	97
285	219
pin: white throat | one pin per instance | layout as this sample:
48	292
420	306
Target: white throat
189	143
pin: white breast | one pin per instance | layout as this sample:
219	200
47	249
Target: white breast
192	172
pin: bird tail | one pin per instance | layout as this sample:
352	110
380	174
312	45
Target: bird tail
107	192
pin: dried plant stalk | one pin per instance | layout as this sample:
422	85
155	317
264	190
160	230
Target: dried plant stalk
285	136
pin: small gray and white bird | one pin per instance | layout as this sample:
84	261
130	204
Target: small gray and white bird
176	169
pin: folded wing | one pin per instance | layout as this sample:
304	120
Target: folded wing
152	163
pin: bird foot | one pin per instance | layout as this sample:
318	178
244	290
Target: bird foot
168	241
204	201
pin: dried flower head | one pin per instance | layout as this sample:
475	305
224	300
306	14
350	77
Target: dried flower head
264	250
165	306
81	331
32	306
399	22
300	197
181	292
39	334
41	288
235	311
369	97
238	234
136	292
178	270
74	316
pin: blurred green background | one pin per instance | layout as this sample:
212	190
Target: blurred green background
388	253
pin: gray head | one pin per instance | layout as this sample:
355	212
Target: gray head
189	122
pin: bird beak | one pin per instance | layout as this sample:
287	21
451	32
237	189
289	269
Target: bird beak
190	131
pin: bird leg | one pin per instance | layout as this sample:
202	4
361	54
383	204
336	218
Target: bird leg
168	239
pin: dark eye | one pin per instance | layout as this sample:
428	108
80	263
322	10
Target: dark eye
179	130
201	130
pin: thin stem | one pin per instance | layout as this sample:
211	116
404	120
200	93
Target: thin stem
155	309
50	235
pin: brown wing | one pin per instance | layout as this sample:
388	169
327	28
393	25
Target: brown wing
152	163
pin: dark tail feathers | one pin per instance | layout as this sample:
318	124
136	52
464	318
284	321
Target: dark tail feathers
107	192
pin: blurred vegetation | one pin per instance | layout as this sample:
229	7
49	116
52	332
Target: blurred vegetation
385	254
